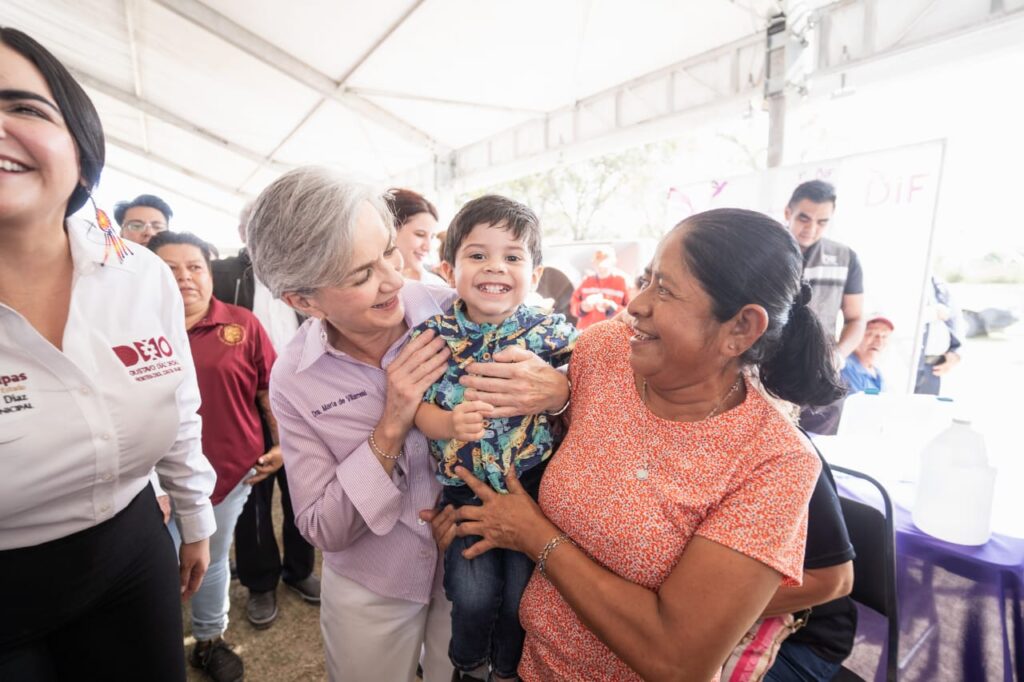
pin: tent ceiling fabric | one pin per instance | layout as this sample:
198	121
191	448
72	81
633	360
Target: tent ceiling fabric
214	98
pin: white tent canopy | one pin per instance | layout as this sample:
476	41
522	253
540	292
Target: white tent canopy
212	100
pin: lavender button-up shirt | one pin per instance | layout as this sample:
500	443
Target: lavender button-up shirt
365	522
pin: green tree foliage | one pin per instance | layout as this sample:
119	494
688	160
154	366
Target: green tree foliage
584	200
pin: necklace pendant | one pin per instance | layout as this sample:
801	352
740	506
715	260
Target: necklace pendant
642	473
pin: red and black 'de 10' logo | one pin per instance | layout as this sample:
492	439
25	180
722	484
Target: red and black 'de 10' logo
145	350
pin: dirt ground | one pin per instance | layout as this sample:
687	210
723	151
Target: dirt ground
290	649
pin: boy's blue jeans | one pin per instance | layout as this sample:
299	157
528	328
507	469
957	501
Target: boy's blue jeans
485	594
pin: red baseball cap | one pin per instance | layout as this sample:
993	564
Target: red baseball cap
877	317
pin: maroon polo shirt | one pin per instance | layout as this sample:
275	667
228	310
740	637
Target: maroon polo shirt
233	357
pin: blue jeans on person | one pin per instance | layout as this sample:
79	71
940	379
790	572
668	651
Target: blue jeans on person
485	594
798	663
210	603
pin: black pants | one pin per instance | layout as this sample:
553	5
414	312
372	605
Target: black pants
256	553
101	603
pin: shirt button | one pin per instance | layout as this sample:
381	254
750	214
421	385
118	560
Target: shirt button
421	522
105	436
84	390
425	554
108	477
105	508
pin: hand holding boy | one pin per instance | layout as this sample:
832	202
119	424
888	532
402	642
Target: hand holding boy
516	382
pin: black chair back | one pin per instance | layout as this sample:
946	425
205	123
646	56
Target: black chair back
874	570
866	526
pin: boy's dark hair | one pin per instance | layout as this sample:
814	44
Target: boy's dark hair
818	191
496	211
75	106
166	238
148	200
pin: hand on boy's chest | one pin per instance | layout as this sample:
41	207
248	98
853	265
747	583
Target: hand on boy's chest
466	350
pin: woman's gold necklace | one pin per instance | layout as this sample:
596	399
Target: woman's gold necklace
644	471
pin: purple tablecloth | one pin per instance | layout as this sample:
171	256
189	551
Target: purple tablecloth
960	607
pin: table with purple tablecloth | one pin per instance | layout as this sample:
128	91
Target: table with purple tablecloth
960	606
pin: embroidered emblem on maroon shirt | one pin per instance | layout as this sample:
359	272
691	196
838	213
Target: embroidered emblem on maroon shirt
231	334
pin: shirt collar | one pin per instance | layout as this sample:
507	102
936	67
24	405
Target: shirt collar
314	345
811	251
420	301
416	298
524	317
89	248
217	314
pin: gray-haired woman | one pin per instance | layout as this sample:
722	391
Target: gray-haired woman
345	391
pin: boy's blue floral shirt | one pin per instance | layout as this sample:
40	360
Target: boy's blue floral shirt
525	440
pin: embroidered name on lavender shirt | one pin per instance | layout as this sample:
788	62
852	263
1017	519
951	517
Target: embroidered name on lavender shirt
326	407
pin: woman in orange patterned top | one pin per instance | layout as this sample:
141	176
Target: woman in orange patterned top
678	500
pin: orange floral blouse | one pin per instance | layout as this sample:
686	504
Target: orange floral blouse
741	479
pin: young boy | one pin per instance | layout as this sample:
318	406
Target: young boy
492	256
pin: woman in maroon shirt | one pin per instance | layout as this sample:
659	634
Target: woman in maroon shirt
233	356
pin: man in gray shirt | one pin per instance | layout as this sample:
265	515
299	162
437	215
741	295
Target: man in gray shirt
837	282
832	269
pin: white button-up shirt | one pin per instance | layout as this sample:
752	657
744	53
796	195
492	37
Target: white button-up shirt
81	430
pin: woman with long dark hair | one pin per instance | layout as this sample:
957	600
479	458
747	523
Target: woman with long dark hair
98	388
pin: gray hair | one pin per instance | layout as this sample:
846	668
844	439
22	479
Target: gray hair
301	231
246	212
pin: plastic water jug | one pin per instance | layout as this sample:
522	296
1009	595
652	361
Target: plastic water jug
954	489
